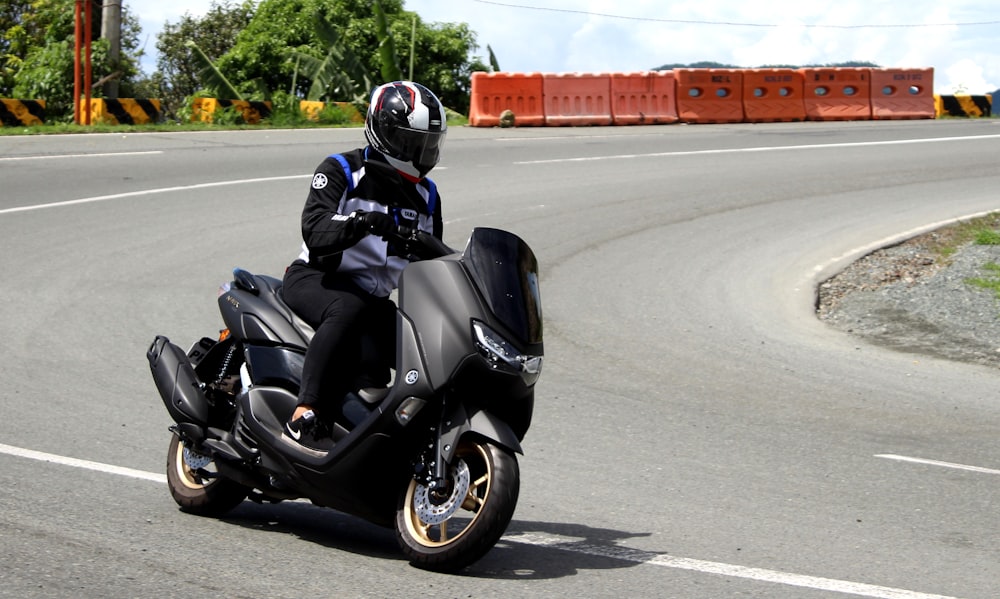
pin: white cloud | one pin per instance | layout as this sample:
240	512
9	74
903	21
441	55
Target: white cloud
966	75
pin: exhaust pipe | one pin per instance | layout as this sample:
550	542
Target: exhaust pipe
179	387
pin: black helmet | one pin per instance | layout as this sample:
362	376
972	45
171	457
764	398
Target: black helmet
406	123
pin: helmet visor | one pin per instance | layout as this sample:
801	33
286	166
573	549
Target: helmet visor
420	148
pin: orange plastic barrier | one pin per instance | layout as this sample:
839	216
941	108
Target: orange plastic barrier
903	94
493	93
709	95
837	94
773	95
644	98
577	98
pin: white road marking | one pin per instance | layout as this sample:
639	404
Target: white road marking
721	569
58	156
85	464
131	194
903	458
612	552
762	149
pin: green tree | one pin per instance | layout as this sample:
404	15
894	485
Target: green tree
27	26
178	67
262	49
338	75
443	59
37	60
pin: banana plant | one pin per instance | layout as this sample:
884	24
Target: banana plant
211	77
386	46
339	74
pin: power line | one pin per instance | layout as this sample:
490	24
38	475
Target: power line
730	23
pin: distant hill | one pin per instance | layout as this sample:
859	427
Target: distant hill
718	65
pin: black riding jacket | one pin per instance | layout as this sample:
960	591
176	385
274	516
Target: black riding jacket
361	180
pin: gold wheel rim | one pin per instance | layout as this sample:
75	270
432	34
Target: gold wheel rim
439	535
188	477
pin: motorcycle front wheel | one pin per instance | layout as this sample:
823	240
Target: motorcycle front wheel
196	487
448	530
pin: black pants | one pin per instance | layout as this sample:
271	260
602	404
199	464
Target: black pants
341	313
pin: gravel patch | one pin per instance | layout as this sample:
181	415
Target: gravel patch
910	298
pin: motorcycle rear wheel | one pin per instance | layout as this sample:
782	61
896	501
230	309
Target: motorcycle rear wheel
446	534
199	490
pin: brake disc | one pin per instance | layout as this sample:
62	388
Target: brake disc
431	511
195	460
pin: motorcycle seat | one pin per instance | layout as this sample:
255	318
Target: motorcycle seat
270	291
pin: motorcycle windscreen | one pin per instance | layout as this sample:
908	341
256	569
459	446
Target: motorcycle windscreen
505	270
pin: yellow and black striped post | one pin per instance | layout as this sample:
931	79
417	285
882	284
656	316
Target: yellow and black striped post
20	113
124	111
965	105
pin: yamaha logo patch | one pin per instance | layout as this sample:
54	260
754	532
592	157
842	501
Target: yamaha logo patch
320	181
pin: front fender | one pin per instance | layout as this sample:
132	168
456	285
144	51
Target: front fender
479	422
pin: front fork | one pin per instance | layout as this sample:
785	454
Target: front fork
454	422
431	469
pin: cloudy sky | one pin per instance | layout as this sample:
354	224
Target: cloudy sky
960	39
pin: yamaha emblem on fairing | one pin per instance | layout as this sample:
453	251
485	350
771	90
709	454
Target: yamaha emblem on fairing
412	377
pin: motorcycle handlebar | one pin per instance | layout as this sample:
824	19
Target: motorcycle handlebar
422	244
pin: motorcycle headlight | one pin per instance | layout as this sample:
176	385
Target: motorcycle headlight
501	353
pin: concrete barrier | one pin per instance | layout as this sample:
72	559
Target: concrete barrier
124	111
203	108
312	110
963	105
21	113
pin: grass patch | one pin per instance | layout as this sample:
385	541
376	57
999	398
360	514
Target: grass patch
981	231
984	235
991	281
987	237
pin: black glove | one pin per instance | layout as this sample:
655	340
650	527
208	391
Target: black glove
424	246
376	223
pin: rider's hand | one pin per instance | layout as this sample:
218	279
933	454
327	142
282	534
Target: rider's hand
376	223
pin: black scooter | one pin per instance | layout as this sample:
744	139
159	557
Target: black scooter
432	455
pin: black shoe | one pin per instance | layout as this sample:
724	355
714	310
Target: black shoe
307	431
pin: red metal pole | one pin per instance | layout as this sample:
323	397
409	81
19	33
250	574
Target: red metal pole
88	73
76	63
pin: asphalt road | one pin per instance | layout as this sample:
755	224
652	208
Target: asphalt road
698	432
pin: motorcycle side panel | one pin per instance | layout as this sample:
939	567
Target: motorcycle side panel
177	382
254	319
445	335
277	366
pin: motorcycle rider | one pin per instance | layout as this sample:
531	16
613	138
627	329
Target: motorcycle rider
341	282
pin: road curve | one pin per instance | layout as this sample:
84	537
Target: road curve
698	433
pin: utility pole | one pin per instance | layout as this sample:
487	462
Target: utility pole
111	30
82	67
